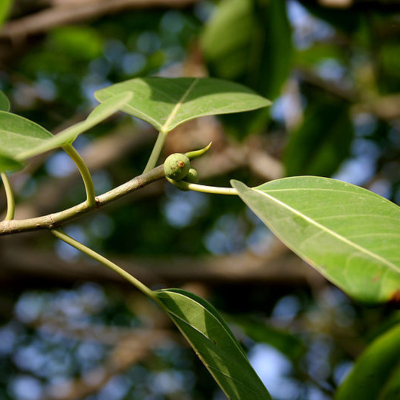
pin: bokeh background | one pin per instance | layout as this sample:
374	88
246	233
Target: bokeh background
69	328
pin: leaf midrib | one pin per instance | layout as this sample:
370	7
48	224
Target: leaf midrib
178	106
333	233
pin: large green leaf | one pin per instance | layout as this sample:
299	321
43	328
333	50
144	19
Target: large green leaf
214	343
4	103
21	138
349	234
322	142
376	374
167	102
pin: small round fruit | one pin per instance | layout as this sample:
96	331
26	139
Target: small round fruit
176	166
192	176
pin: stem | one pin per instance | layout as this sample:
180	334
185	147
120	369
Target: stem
202	188
91	253
51	221
10	197
85	173
155	154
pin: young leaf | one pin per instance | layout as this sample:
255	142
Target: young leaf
18	134
349	234
168	102
376	374
4	103
214	343
21	138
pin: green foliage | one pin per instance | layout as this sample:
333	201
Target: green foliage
5	7
166	103
322	142
249	41
350	235
22	138
4	103
214	343
77	42
376	374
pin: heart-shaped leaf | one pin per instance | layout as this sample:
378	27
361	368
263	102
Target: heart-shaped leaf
349	234
21	138
376	374
4	103
214	343
167	102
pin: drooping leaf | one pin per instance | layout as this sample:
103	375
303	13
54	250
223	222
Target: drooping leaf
376	374
322	142
21	138
249	41
214	343
349	234
168	102
4	103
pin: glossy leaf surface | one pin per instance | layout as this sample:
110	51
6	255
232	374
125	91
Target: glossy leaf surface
168	102
4	103
214	343
376	374
21	138
349	234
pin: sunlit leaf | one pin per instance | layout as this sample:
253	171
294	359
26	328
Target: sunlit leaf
214	343
376	374
21	138
349	234
167	102
4	103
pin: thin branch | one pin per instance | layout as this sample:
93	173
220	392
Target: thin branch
52	17
55	220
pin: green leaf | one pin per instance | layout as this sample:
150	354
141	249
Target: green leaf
349	234
18	134
249	41
77	42
4	103
214	343
21	138
168	102
376	374
322	142
5	7
8	164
